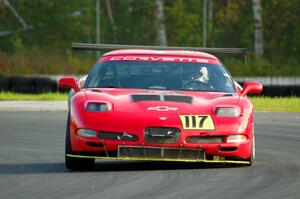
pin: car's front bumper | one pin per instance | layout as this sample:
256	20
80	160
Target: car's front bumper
99	147
107	149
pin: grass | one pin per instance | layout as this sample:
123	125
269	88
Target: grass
44	62
291	104
261	67
44	97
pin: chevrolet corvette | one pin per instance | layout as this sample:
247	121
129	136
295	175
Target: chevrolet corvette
159	105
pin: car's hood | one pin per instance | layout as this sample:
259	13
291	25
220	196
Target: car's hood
167	102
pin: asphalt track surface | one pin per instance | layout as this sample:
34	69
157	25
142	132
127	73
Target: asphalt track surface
32	165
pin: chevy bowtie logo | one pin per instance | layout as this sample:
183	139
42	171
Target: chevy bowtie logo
162	108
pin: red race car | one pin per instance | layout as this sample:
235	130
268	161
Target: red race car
159	105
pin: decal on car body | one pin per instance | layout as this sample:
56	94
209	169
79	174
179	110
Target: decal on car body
197	122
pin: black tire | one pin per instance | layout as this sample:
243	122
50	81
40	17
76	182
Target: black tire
4	83
44	85
22	84
252	157
74	163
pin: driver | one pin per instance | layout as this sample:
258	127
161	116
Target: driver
198	79
202	76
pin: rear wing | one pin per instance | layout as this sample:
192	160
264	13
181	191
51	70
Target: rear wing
108	47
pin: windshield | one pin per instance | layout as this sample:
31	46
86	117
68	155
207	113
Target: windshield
160	75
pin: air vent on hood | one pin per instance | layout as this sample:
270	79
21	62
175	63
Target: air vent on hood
178	98
137	98
167	98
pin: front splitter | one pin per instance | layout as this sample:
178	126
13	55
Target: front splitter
160	159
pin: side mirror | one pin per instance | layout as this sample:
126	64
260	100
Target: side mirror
252	87
68	82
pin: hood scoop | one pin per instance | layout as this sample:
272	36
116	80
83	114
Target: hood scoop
178	98
138	98
166	98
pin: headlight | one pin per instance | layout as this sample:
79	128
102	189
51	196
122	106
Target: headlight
97	107
86	133
228	111
236	138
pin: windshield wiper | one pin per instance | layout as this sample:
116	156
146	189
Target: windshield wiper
109	86
203	90
157	87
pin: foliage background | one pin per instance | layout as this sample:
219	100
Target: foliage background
46	47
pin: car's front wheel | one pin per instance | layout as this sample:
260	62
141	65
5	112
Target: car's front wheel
75	163
252	157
